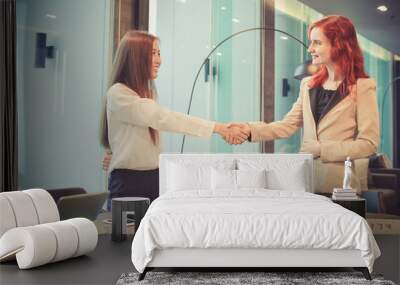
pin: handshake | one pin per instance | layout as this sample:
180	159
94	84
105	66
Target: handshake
233	133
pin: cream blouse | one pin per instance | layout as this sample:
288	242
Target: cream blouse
129	118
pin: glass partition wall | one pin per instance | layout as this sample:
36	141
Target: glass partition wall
236	66
379	65
228	86
59	95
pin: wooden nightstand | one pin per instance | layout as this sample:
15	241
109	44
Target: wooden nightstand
357	206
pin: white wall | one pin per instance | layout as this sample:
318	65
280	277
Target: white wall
59	106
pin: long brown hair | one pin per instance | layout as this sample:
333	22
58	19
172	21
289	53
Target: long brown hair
345	52
132	67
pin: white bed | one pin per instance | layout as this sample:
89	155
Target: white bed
247	210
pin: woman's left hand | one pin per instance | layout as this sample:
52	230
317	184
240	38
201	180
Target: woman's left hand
311	146
106	160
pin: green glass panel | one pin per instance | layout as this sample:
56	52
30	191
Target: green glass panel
235	67
288	55
222	58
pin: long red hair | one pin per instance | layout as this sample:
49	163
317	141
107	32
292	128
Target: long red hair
345	52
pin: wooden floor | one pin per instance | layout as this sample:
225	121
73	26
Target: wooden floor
102	266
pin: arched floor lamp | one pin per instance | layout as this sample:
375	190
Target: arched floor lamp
390	84
300	72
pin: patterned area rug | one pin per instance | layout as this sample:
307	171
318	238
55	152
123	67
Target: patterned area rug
231	278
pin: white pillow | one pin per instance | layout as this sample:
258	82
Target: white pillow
183	177
290	179
290	175
223	179
251	178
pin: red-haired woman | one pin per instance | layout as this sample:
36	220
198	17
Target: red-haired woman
132	119
337	107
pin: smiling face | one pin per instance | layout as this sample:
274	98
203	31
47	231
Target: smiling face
320	47
155	60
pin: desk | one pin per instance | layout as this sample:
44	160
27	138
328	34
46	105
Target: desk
386	229
384	224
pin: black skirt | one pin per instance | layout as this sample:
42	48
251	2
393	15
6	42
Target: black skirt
133	183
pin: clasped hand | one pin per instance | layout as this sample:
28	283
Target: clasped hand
233	133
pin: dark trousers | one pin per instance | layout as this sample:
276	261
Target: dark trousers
132	183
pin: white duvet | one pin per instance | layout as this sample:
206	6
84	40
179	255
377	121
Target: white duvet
252	218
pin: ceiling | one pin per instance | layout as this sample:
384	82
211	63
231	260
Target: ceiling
382	28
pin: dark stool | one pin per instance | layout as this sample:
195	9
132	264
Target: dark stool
123	206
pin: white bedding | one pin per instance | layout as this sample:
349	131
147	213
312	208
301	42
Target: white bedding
251	218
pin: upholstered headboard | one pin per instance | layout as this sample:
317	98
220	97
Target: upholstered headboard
281	163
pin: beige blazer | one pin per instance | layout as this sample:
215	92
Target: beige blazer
350	128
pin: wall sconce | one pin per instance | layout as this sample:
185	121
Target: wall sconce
207	70
42	51
285	87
